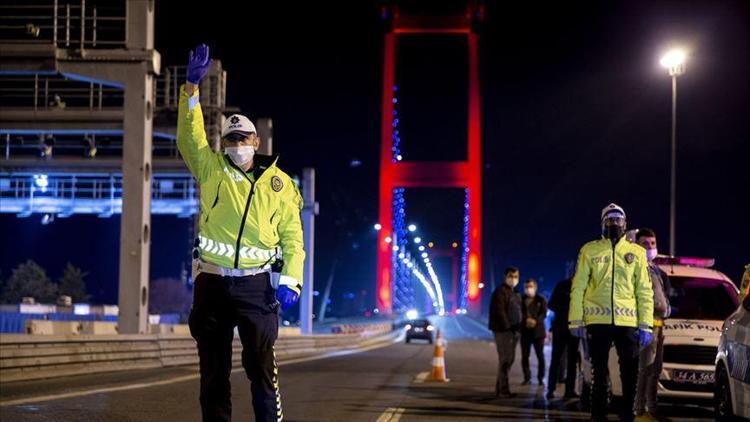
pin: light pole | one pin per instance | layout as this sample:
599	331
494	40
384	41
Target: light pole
674	61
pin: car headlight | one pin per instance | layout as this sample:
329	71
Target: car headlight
407	326
430	328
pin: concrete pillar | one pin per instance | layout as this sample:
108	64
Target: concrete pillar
309	211
264	126
139	30
135	229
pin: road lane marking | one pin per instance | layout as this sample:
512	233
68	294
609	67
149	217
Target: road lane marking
72	394
421	377
392	414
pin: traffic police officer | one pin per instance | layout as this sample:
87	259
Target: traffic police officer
611	300
249	220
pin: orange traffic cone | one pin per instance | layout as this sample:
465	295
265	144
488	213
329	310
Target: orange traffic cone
438	361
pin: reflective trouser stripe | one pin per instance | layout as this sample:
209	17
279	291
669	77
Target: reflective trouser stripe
279	412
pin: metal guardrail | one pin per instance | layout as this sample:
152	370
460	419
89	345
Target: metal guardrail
24	357
77	24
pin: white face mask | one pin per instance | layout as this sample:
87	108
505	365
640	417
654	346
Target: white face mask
240	155
531	292
511	281
651	254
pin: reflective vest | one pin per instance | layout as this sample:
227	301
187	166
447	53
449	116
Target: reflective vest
246	219
611	286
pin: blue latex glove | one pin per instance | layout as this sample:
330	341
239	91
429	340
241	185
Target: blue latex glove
644	337
286	296
579	332
198	64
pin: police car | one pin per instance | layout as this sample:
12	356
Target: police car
732	387
701	299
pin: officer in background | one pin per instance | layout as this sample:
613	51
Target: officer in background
650	360
745	285
505	321
564	345
249	219
611	300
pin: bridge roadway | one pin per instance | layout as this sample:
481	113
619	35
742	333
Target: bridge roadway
382	384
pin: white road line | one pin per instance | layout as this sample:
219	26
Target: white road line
174	380
421	377
392	414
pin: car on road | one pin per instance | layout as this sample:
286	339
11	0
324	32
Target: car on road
732	387
701	299
419	329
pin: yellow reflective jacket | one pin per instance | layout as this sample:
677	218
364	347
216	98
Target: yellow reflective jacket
246	219
611	286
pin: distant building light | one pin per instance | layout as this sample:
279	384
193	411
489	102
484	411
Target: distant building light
388	239
417	240
454	245
378	226
412	314
412	227
430	244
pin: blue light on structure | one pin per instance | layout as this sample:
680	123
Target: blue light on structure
24	194
403	297
463	288
395	136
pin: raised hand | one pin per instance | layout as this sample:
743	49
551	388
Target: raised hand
198	63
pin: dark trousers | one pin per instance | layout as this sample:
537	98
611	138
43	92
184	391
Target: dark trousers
564	348
219	305
650	363
505	342
600	338
526	342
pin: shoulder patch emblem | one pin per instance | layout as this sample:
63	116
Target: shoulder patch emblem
276	184
629	258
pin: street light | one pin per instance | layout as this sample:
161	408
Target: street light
674	61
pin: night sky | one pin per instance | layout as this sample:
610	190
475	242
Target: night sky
575	114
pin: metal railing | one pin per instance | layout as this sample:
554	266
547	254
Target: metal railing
67	24
76	146
66	194
55	92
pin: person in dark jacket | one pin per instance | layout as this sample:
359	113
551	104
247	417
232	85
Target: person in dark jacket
505	322
564	345
534	310
650	358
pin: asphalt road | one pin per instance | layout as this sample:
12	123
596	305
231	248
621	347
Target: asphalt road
384	384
